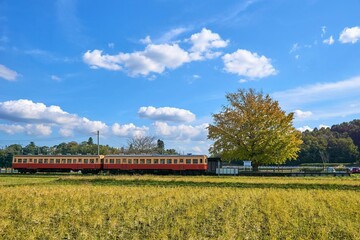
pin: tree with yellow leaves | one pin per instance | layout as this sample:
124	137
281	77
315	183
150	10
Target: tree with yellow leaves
253	127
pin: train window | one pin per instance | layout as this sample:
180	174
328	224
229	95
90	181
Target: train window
57	160
117	161
97	160
106	161
156	161
181	160
68	161
162	161
35	160
20	160
129	161
46	160
201	161
63	161
136	161
25	160
205	160
40	161
52	160
112	161
188	161
93	161
86	161
195	161
74	161
124	160
168	161
79	160
30	160
14	160
175	161
142	161
148	161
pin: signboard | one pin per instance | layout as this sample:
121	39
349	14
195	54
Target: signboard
247	163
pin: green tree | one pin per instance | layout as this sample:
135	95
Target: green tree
253	127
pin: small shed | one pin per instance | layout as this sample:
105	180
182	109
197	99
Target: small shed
214	163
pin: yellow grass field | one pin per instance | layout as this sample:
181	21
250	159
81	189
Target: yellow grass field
167	207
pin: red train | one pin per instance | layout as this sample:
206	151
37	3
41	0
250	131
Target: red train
112	163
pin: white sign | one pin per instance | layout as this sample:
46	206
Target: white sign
247	163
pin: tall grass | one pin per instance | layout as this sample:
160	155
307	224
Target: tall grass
120	208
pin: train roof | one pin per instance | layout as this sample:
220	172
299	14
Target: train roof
57	155
153	155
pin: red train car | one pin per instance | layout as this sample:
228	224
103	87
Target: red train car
191	164
156	163
57	163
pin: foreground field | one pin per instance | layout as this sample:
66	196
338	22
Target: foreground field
152	207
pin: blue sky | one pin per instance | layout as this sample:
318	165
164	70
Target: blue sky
161	68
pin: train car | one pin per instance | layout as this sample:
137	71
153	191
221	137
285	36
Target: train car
58	163
185	164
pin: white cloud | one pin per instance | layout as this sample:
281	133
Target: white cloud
350	35
26	111
324	126
329	41
166	114
129	130
304	128
203	43
181	132
29	129
301	114
7	73
248	64
323	31
96	60
111	45
146	40
170	35
156	58
320	92
295	47
55	78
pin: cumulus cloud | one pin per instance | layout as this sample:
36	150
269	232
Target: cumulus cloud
30	129
7	73
203	43
156	58
302	114
129	130
248	64
329	41
350	35
181	132
166	114
44	117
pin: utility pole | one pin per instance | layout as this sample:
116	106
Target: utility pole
98	133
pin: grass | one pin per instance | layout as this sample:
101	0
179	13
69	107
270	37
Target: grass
168	207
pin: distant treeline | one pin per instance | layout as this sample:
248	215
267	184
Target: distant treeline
139	145
338	144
